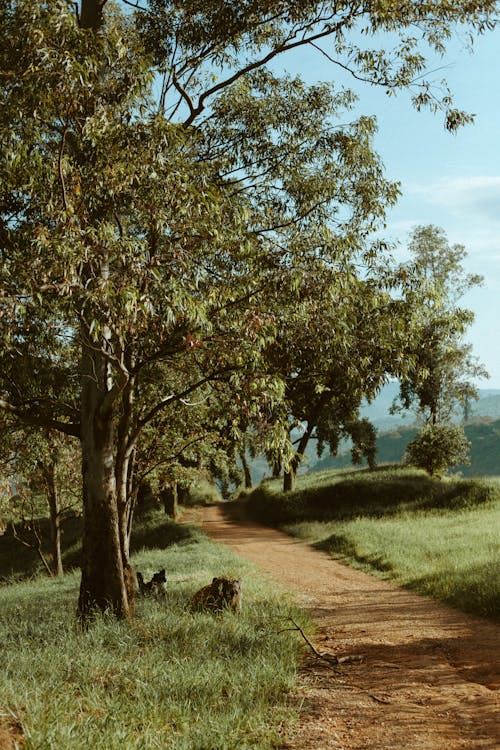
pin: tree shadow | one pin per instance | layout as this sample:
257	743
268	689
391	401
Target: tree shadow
18	562
476	591
366	494
337	544
154	535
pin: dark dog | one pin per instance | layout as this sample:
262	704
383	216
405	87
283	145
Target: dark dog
157	586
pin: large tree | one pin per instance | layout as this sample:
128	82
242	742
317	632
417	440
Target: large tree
146	224
443	372
337	348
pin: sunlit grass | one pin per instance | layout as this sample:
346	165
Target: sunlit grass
172	679
440	538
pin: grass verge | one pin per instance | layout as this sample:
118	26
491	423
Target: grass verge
172	679
438	537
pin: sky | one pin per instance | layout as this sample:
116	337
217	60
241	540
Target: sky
450	180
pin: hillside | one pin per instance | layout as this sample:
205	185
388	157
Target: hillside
487	405
396	430
484	436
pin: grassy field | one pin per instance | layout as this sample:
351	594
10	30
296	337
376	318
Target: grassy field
172	679
438	537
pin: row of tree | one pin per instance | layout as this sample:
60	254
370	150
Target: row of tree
186	261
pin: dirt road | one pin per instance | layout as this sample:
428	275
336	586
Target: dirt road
430	675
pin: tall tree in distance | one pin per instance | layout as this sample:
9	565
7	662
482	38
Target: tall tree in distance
443	371
335	349
40	464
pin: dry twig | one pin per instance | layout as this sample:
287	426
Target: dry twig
337	660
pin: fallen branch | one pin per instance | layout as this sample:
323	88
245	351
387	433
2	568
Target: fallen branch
330	658
337	660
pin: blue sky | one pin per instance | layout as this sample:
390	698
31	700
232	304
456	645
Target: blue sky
452	181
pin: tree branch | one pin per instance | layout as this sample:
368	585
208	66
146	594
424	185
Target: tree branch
69	428
136	6
173	457
60	168
178	396
183	94
249	68
349	70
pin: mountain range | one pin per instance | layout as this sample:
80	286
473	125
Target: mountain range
394	432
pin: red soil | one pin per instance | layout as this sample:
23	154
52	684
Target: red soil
429	678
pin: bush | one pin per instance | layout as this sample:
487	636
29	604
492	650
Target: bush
202	493
438	447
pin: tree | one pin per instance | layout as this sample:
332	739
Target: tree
437	447
338	347
39	464
442	370
140	237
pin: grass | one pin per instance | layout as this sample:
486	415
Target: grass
440	538
172	679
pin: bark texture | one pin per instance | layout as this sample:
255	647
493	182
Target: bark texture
107	581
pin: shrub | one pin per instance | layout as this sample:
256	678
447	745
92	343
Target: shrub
438	447
202	493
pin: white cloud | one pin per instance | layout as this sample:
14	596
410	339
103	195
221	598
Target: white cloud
477	197
467	208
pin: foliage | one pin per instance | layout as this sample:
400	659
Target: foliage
153	236
442	369
437	447
337	348
26	455
39	468
379	44
203	493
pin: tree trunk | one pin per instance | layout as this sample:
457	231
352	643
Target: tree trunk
91	14
246	470
169	496
125	503
108	581
107	578
55	517
126	496
276	467
290	476
289	479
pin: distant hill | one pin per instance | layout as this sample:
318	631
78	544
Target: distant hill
396	430
484	436
488	405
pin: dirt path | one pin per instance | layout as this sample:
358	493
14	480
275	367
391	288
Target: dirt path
436	670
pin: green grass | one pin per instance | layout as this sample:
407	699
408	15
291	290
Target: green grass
438	537
172	679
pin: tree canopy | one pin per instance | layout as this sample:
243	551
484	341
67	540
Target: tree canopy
164	199
443	371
